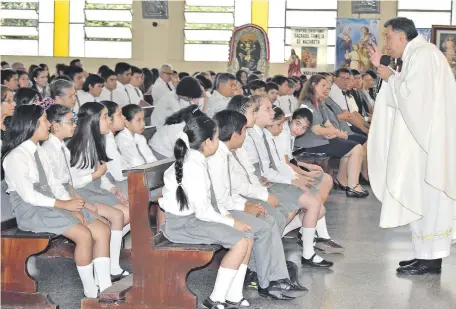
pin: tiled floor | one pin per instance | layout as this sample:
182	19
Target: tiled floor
364	277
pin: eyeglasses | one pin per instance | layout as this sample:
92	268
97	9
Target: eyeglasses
68	121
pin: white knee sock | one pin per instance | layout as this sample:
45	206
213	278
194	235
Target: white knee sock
102	269
88	282
125	229
293	225
225	277
322	229
308	251
235	291
114	250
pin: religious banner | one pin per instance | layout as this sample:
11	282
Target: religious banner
309	47
353	37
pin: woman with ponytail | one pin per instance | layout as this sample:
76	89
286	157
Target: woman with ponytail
191	218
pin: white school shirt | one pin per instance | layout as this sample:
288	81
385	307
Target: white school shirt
197	187
165	138
244	181
279	159
253	142
160	89
216	103
220	172
337	96
117	163
135	94
134	148
165	107
287	103
120	95
83	176
84	97
60	161
106	95
21	173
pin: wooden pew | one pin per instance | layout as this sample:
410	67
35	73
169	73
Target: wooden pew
321	159
18	289
160	268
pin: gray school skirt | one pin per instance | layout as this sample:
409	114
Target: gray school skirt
40	219
93	193
191	230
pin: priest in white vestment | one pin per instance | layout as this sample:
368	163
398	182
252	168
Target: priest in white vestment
412	146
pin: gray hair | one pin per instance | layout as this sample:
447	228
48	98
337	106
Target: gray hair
223	78
402	24
164	67
58	88
17	65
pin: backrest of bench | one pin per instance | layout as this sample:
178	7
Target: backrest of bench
149	131
148	113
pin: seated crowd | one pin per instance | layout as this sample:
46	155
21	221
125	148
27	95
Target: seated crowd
66	139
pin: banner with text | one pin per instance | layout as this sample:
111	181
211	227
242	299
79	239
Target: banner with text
310	45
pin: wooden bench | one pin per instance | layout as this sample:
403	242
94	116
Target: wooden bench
18	289
160	268
147	113
321	159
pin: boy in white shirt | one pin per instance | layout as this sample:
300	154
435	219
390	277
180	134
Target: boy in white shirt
290	187
123	72
270	265
91	89
133	88
110	84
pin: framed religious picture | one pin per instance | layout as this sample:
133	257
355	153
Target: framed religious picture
444	37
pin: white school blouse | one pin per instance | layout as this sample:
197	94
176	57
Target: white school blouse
83	176
197	187
60	161
21	173
134	148
220	172
106	95
165	138
117	163
256	149
134	93
285	141
165	107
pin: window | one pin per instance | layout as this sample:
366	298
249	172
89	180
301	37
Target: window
27	27
96	28
299	14
100	28
208	28
428	13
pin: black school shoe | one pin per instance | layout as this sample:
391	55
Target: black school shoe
282	289
310	262
328	245
210	304
236	305
115	278
251	280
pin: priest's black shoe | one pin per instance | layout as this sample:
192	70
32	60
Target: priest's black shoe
283	290
420	267
293	273
210	304
310	262
405	263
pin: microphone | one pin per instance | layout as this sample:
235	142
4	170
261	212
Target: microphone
385	60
